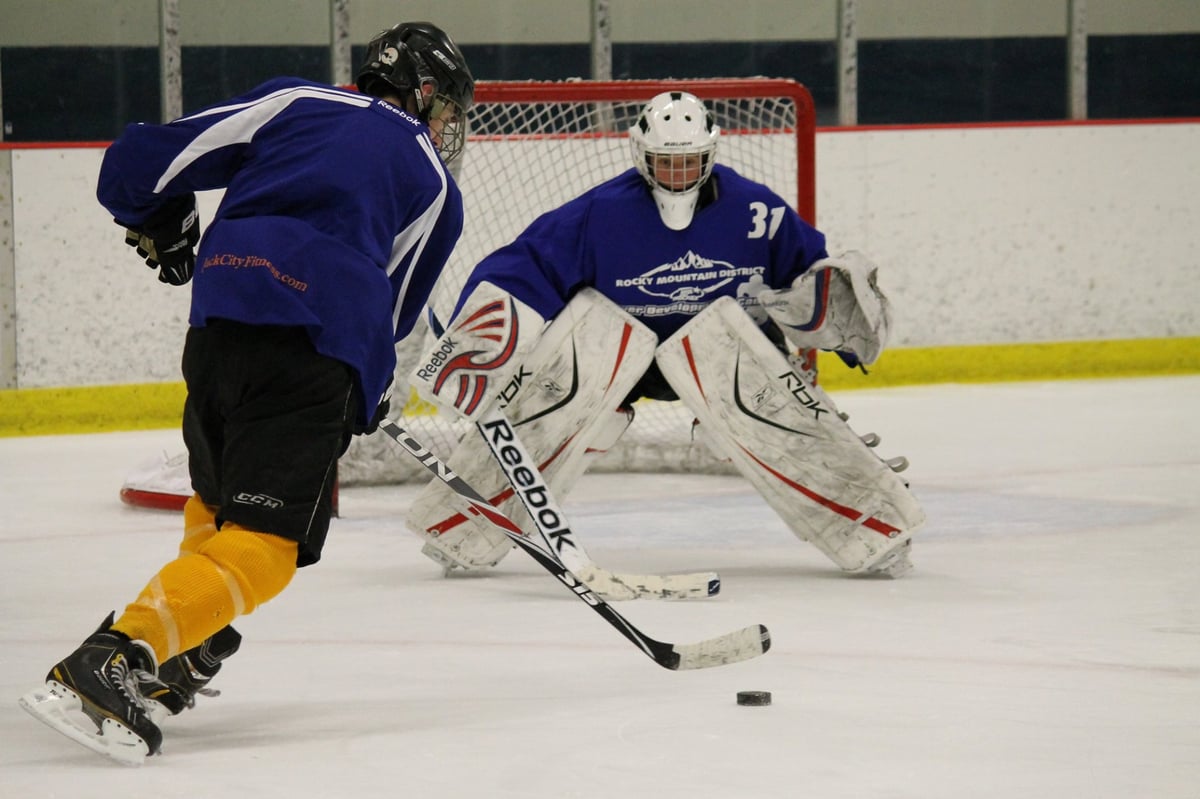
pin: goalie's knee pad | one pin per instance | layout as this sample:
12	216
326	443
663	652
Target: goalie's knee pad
563	401
810	467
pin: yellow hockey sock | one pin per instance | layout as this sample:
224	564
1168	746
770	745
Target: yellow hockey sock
199	525
195	595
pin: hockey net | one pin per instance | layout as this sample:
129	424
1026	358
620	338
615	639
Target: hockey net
535	145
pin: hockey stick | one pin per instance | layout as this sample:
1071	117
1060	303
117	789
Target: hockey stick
732	647
531	489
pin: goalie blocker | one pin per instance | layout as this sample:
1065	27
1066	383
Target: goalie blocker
807	463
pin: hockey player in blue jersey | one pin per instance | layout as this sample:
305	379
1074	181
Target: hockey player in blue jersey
709	266
337	218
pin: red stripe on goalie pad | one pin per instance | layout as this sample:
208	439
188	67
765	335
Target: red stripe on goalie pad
871	523
691	360
786	438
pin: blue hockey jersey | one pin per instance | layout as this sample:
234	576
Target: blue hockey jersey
338	214
612	239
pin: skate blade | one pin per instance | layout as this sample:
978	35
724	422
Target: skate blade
58	707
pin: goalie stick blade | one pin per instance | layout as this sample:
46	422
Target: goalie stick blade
734	647
530	488
60	709
615	586
730	648
743	644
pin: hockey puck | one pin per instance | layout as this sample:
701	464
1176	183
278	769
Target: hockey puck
754	698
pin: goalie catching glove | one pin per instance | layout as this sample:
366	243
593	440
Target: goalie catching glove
835	305
167	241
481	350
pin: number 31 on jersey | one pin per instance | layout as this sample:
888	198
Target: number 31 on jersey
758	221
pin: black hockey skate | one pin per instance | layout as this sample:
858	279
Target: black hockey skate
182	677
98	685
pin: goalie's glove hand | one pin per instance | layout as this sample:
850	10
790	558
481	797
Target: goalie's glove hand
837	306
167	241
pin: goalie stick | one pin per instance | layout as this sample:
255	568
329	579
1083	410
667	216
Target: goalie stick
743	644
531	489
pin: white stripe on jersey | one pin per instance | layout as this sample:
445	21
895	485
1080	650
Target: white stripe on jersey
240	127
414	237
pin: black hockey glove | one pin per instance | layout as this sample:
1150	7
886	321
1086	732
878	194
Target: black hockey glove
167	241
381	412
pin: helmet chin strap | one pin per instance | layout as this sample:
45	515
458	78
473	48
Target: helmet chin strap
675	209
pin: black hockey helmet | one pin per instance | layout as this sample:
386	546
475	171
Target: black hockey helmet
418	60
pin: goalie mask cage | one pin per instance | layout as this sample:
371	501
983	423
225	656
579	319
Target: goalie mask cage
532	146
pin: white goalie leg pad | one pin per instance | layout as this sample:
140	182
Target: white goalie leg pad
806	462
564	398
479	352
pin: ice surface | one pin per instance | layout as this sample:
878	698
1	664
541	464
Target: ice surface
1047	644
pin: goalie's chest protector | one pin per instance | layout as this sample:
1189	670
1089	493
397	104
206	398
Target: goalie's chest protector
665	277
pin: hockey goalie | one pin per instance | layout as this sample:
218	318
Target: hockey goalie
678	279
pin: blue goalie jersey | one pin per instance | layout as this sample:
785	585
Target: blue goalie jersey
612	239
338	215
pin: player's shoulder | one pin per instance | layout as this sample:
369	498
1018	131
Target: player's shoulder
622	188
390	127
397	116
286	85
613	192
733	182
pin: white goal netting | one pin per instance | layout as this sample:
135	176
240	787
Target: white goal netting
532	147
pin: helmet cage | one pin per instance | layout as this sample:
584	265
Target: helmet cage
452	139
669	169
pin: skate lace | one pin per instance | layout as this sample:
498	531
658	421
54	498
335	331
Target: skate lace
138	678
150	685
129	680
153	685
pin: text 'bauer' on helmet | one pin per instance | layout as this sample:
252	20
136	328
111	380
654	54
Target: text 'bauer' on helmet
674	144
420	62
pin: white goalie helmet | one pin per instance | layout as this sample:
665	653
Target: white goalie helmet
674	145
